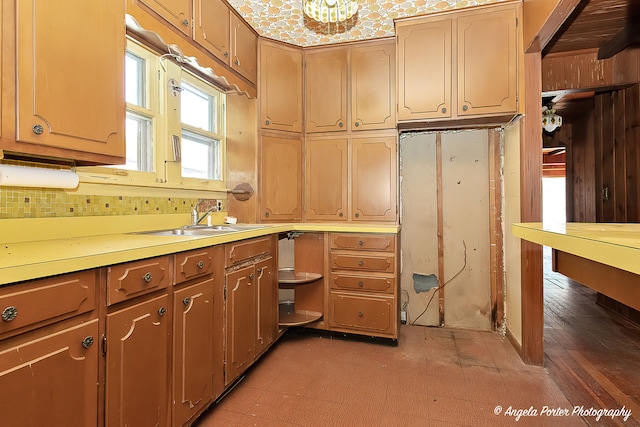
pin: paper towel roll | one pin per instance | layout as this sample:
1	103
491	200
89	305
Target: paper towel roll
22	176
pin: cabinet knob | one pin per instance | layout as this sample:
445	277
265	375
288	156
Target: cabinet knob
200	264
340	124
148	277
87	342
267	122
186	301
226	54
9	313
259	270
444	110
357	215
360	263
465	108
360	242
38	129
185	22
266	214
361	283
340	214
251	276
357	124
360	314
237	61
162	311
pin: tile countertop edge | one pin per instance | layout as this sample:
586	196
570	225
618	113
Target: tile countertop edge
588	240
36	259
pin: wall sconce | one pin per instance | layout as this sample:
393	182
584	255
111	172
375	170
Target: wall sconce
550	120
330	10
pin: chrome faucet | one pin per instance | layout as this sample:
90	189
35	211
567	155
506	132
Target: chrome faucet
195	220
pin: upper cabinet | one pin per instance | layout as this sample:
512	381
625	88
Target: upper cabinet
280	87
177	12
458	65
69	90
350	88
226	36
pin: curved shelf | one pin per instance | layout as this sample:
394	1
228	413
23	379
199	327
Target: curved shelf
299	318
288	277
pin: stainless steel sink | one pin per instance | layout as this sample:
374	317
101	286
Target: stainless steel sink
202	230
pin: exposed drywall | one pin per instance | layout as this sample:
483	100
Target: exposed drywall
465	213
456	165
419	217
511	212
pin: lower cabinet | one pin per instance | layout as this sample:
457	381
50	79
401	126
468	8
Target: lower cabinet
51	378
250	304
137	364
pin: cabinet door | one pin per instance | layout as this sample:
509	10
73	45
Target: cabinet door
373	86
240	321
281	178
211	29
245	49
51	380
424	70
193	330
326	179
70	90
177	12
373	176
326	90
487	62
266	304
137	354
280	87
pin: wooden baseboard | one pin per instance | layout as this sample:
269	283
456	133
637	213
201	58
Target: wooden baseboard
514	342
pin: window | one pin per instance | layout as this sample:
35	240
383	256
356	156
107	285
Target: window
201	109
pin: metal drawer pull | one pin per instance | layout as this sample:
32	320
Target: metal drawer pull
148	277
186	301
360	314
360	263
200	265
87	342
360	242
251	276
9	313
361	283
162	311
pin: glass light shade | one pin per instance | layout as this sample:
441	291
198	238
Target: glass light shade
330	10
551	121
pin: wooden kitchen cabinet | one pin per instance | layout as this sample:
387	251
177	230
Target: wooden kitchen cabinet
374	179
50	378
177	12
350	88
67	102
363	295
281	177
280	87
326	89
458	65
250	303
137	344
49	345
225	35
326	180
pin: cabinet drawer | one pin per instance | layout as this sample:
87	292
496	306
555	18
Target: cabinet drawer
365	242
136	278
192	264
363	262
238	251
362	312
40	302
352	282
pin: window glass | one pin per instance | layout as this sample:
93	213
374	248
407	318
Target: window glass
138	139
135	76
200	156
198	108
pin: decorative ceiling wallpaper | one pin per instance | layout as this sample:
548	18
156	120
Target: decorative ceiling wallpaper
285	21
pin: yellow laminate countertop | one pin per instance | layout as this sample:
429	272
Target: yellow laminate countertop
35	248
617	245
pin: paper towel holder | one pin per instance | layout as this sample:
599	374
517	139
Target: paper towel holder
27	176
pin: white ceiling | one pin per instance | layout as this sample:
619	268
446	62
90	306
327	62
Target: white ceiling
285	20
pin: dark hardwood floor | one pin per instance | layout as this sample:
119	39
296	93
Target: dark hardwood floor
591	352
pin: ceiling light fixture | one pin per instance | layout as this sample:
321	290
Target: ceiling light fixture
550	120
330	10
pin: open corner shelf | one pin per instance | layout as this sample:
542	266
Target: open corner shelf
288	278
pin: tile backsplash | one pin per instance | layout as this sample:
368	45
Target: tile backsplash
25	202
